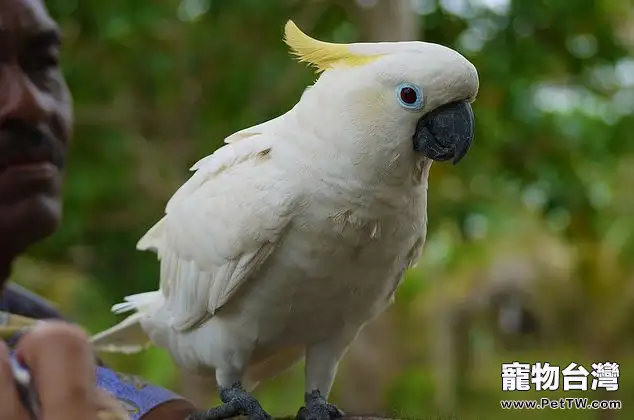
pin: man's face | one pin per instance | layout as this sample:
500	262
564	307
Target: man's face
35	124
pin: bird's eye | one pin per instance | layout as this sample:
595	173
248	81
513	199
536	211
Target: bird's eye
410	96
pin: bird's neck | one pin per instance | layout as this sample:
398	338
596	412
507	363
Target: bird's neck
383	165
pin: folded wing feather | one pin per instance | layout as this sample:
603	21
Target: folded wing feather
219	228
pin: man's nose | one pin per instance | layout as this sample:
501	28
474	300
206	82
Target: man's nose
20	98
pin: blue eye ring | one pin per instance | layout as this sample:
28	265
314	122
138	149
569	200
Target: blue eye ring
410	96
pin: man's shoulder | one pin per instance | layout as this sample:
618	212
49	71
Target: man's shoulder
20	301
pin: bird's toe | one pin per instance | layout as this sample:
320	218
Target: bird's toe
317	408
236	401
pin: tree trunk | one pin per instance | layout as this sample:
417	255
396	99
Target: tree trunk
388	20
444	358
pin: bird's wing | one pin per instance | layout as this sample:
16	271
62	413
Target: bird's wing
219	228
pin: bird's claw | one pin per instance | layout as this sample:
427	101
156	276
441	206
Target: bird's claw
318	408
236	401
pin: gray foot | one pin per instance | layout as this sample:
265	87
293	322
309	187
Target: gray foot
236	401
317	408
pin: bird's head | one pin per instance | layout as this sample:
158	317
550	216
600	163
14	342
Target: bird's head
413	97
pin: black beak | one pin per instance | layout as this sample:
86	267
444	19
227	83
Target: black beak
446	132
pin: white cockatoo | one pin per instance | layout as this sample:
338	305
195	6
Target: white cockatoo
287	240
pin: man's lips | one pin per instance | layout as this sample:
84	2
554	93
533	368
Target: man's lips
24	144
18	177
28	180
28	161
33	167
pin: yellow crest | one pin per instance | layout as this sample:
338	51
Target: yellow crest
322	55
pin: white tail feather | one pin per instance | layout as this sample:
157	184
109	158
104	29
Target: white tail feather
139	302
128	336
